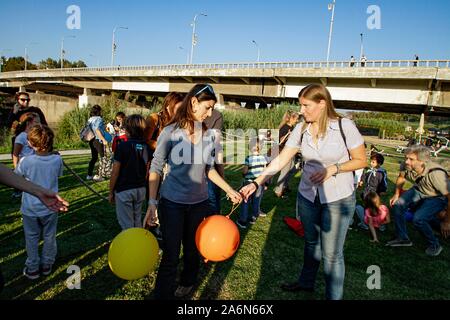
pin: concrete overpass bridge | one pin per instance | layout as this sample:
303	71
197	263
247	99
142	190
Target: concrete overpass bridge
400	86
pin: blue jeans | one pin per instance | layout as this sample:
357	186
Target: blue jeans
179	223
33	227
425	215
255	202
214	196
325	227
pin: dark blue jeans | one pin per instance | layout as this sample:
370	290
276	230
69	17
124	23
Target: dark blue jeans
255	201
425	216
179	223
325	227
214	196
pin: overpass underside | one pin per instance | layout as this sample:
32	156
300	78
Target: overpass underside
399	90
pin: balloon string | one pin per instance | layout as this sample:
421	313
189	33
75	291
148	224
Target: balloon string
235	206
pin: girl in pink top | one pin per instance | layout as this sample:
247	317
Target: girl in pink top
376	214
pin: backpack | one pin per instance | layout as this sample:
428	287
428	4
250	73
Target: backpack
382	187
86	134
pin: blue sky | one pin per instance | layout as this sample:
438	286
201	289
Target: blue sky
286	30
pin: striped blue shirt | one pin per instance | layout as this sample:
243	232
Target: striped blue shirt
256	165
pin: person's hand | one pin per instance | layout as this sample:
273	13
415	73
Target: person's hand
247	191
234	196
105	142
151	217
445	229
360	184
53	201
111	198
393	200
322	175
16	108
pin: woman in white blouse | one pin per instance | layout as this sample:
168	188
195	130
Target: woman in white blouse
332	149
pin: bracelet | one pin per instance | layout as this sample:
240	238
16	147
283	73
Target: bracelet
256	184
152	202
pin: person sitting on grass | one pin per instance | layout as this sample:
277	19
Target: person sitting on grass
373	180
254	166
128	178
429	195
376	214
43	168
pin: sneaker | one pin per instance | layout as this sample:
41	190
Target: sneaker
399	243
382	228
46	269
363	226
262	214
182	292
241	224
97	178
30	275
253	220
88	177
433	251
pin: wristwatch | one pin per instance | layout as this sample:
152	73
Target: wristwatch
152	202
338	169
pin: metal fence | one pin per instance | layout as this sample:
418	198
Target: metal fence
261	65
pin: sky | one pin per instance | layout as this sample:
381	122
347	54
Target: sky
284	30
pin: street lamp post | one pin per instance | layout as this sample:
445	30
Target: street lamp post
62	50
114	46
331	7
362	48
259	52
194	36
26	53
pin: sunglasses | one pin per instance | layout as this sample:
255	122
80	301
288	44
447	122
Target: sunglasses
24	100
207	87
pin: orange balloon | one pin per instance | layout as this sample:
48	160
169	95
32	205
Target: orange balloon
217	238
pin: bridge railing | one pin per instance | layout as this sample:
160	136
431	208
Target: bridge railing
263	65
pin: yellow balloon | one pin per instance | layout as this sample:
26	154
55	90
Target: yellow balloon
133	254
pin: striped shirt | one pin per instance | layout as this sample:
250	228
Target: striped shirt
256	165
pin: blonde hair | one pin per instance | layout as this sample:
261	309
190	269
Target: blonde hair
317	92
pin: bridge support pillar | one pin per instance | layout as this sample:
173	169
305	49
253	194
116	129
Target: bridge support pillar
22	89
220	101
85	99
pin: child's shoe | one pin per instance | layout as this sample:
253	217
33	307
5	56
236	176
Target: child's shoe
46	269
30	275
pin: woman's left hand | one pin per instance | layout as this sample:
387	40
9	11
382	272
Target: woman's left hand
323	174
234	196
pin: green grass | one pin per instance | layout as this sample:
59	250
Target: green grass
269	254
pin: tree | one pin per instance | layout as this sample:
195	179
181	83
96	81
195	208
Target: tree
17	64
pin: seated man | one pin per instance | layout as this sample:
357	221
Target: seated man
431	189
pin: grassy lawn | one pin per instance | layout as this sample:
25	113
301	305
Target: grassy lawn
269	254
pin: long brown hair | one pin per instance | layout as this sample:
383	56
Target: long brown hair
184	118
168	106
317	92
21	125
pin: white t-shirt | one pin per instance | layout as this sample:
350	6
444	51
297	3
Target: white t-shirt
22	139
43	171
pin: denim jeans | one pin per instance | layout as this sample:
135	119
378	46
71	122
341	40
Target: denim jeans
425	215
33	227
325	227
179	223
214	196
255	202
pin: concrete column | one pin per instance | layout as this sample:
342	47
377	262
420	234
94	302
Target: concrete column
22	89
84	100
220	101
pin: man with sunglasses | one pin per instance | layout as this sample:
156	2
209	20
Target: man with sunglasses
21	107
